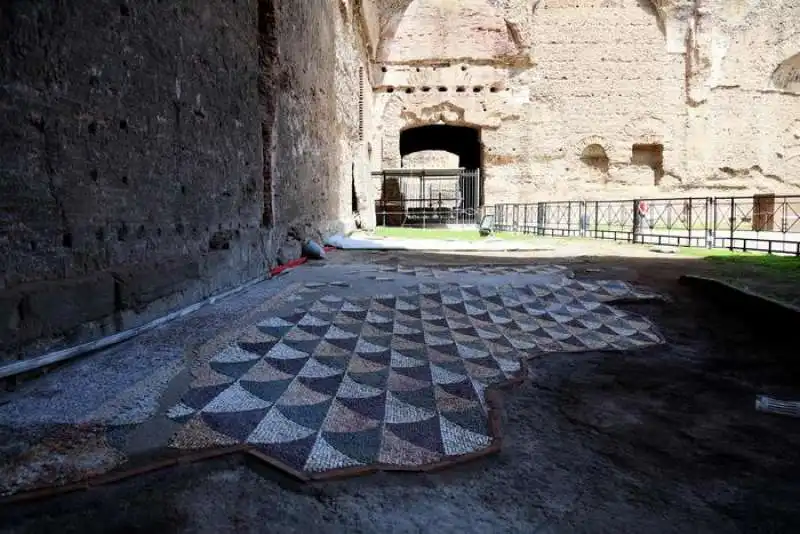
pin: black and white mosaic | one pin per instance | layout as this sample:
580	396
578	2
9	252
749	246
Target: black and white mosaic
394	380
381	272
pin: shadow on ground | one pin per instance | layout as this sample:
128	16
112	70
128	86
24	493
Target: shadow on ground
662	440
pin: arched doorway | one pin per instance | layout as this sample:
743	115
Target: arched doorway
595	158
430	159
465	143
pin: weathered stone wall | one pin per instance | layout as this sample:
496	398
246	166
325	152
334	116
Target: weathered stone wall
744	108
430	159
155	153
683	96
447	30
455	63
353	122
603	77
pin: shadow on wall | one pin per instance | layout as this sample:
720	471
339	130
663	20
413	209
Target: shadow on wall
650	7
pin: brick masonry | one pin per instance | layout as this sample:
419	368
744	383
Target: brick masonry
430	159
158	152
155	153
713	82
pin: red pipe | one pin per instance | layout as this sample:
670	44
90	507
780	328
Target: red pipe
280	268
294	263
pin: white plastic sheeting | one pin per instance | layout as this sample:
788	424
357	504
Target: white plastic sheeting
379	243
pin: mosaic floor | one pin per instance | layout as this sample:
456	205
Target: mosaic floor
393	380
486	270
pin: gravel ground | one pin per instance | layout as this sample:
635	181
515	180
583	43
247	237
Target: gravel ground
663	440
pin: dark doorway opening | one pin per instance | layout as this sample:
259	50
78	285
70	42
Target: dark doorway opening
463	141
353	193
595	156
650	155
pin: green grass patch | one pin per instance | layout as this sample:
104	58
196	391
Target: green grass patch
773	276
699	252
722	256
788	265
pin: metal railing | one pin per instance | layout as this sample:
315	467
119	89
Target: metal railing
428	197
768	223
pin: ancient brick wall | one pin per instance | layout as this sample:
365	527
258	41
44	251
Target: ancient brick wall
447	30
679	95
540	94
604	77
745	110
430	159
155	153
468	71
353	122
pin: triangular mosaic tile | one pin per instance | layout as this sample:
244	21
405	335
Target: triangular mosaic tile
395	379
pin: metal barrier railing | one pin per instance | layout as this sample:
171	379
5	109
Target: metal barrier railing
428	197
767	223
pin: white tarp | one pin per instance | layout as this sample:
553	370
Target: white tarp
379	243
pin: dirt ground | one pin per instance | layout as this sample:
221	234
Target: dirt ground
663	440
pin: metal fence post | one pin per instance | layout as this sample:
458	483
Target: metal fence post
583	221
712	228
569	218
596	217
541	217
636	220
383	196
689	221
525	219
785	215
731	218
424	198
515	217
498	216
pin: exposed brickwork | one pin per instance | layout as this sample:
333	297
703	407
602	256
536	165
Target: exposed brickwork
431	159
711	87
155	153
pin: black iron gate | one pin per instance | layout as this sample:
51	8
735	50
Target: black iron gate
428	197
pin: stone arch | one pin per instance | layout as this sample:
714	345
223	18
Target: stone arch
430	159
592	152
581	146
462	140
392	107
444	113
397	114
595	157
646	130
388	130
